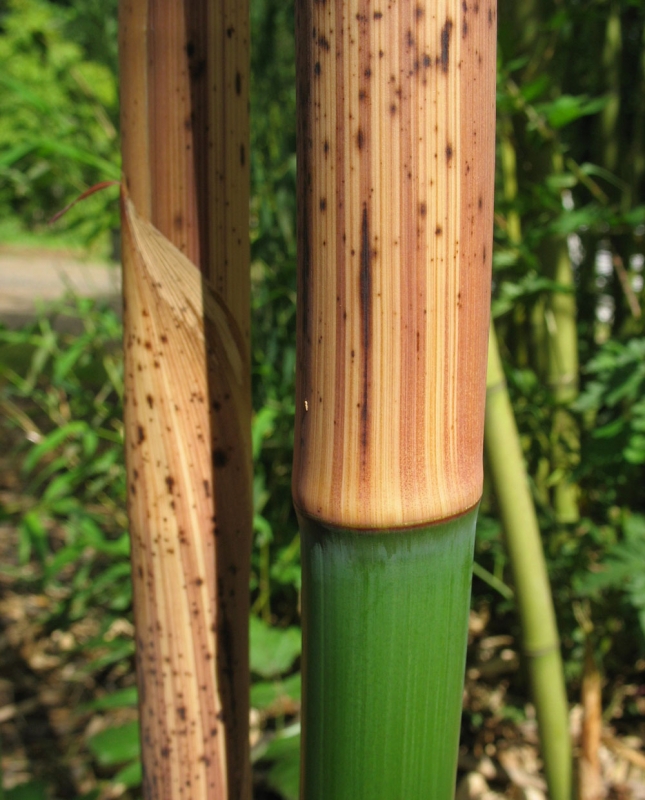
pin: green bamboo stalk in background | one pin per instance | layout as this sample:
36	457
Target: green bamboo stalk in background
396	144
563	373
554	330
519	518
617	143
184	123
540	645
559	335
610	113
636	161
508	159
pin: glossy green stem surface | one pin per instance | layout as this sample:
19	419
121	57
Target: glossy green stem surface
385	622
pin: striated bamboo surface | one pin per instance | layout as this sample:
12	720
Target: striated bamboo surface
385	621
184	98
185	132
396	155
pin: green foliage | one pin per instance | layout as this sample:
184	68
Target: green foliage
65	392
622	569
58	121
122	698
116	745
276	558
265	694
613	404
566	101
61	395
283	753
34	790
273	650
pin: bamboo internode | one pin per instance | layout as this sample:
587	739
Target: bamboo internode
396	151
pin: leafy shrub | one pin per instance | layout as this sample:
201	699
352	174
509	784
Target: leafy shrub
622	569
58	123
64	392
613	405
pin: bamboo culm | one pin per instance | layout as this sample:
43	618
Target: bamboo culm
540	646
396	118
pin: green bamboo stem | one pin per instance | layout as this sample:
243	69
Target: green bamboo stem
611	71
637	147
522	534
395	165
553	319
535	605
563	368
555	334
509	179
385	618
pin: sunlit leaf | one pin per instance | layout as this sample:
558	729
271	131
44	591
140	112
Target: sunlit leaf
273	650
116	745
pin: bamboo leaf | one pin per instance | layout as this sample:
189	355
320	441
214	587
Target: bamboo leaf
51	442
567	108
265	693
124	698
284	775
273	651
129	776
116	745
78	154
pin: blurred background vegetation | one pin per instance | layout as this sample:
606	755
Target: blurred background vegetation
568	297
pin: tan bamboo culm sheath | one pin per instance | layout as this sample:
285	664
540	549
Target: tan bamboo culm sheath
185	209
396	152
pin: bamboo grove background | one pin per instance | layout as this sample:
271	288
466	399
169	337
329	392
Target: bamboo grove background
567	306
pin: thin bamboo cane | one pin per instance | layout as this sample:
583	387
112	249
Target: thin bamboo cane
610	113
590	783
522	533
396	145
184	78
562	341
563	367
636	159
539	630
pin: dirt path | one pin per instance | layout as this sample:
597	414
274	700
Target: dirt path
29	278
